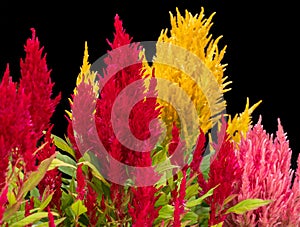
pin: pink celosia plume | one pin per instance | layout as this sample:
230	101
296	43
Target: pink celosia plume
267	174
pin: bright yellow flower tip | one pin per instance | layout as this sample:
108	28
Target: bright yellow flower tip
85	76
192	34
239	125
85	73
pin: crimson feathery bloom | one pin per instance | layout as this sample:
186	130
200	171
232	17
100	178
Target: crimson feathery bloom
3	202
142	207
225	173
36	82
51	222
25	108
176	150
81	183
179	200
52	179
124	67
16	136
29	205
91	204
267	175
198	153
82	107
129	61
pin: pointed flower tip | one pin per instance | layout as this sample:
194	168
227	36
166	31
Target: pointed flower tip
33	33
259	119
279	122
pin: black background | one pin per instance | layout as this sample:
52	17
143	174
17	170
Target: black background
261	38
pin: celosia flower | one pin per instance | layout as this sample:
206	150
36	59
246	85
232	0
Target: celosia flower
91	204
179	201
36	82
26	107
267	175
142	207
16	136
81	183
294	206
239	125
176	150
52	179
224	174
29	205
82	103
3	202
206	98
198	153
142	114
51	222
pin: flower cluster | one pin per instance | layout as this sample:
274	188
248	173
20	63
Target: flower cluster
134	154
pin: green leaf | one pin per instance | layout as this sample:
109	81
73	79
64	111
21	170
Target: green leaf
195	202
162	200
78	208
11	198
68	160
35	177
191	217
229	199
46	201
63	145
165	166
35	193
30	219
166	212
58	163
159	156
205	165
46	224
247	205
10	211
95	172
66	199
191	191
18	215
218	225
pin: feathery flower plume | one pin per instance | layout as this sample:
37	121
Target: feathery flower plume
267	175
29	205
91	204
36	82
27	107
81	183
142	207
198	153
82	103
239	125
51	222
3	202
224	174
179	201
200	44
52	179
16	136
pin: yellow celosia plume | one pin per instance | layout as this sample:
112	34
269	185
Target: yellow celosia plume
191	33
239	125
85	75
